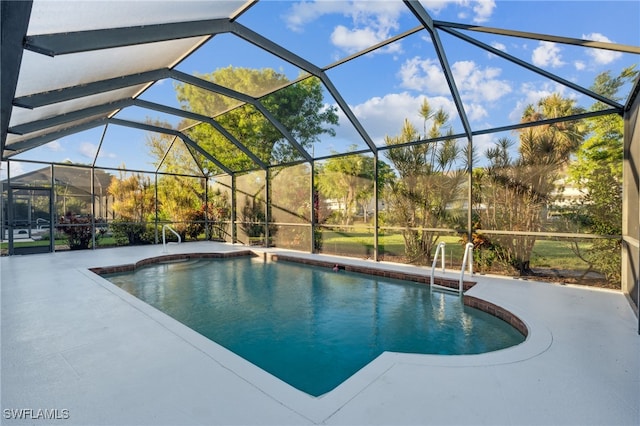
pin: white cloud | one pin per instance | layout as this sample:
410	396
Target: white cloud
499	46
354	40
579	65
303	13
88	150
475	112
476	85
54	146
482	142
479	84
375	19
532	95
372	21
462	16
17	169
547	54
481	9
600	56
423	75
435	6
384	116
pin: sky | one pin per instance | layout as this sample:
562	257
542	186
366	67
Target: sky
387	86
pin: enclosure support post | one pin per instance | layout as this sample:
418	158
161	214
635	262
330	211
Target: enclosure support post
233	209
207	231
155	185
10	209
267	205
470	191
52	214
93	208
3	202
29	211
312	200
375	206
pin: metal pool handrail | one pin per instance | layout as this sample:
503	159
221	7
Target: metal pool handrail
439	250
164	238
466	259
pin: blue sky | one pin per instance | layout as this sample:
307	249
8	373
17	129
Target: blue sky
387	86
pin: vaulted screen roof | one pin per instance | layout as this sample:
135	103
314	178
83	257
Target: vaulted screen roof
69	67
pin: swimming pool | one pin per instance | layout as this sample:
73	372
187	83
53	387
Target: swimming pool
309	326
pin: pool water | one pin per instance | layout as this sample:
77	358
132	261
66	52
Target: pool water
309	326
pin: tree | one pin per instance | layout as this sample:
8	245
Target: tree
597	172
300	108
133	197
428	183
514	194
133	203
171	155
290	195
253	219
348	179
180	199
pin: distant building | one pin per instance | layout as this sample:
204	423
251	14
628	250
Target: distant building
69	189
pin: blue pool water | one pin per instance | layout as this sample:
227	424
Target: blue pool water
312	327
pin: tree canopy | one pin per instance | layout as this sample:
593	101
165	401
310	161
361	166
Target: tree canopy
298	107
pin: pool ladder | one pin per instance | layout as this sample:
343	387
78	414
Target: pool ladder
164	237
467	262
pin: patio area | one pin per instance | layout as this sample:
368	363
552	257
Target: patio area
89	353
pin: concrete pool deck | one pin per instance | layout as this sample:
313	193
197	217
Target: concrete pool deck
91	354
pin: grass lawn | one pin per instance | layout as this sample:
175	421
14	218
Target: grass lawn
558	255
18	243
60	242
359	242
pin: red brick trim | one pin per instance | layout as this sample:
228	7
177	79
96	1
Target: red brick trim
168	258
497	312
419	278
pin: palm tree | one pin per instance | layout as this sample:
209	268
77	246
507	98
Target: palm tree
516	192
427	185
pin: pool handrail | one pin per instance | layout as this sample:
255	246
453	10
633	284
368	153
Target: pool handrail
164	238
467	260
440	249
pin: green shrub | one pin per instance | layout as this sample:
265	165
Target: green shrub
132	233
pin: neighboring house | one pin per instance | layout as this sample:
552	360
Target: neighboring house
72	191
